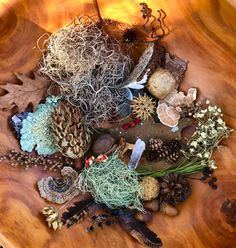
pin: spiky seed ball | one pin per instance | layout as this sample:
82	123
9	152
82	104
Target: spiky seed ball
143	107
151	188
130	35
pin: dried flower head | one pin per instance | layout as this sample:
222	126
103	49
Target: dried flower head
210	130
52	217
143	107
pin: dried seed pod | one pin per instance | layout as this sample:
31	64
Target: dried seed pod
161	83
71	135
143	107
103	144
143	217
153	205
151	188
168	209
52	217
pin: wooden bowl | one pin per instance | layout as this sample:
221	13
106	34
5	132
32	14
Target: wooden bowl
203	32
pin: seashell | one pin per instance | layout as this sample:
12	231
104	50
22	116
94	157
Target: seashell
168	115
161	83
103	144
168	209
143	217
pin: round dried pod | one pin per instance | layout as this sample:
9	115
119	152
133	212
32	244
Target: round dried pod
71	135
168	209
103	144
161	83
143	216
143	107
153	205
151	188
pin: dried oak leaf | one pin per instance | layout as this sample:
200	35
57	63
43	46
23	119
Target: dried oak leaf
30	91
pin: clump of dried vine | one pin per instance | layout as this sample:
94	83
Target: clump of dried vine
87	64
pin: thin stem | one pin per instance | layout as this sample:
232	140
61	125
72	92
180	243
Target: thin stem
95	2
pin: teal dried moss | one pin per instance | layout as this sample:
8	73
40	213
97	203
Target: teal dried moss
112	183
36	131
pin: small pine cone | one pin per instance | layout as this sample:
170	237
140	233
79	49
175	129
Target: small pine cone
162	152
173	156
174	145
154	144
174	188
151	156
71	135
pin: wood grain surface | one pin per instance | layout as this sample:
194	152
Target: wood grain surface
204	33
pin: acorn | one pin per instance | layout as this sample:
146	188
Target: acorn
143	217
153	205
168	209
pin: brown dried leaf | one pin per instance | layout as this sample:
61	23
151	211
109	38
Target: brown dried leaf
30	91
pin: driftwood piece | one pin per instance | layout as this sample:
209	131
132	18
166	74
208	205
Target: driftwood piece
150	129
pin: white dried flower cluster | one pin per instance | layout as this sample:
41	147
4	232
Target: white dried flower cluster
210	130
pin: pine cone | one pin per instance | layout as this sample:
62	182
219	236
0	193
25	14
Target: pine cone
156	150
163	152
173	156
174	188
151	156
174	145
71	135
154	144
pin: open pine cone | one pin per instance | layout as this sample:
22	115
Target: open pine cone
174	189
71	135
158	151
